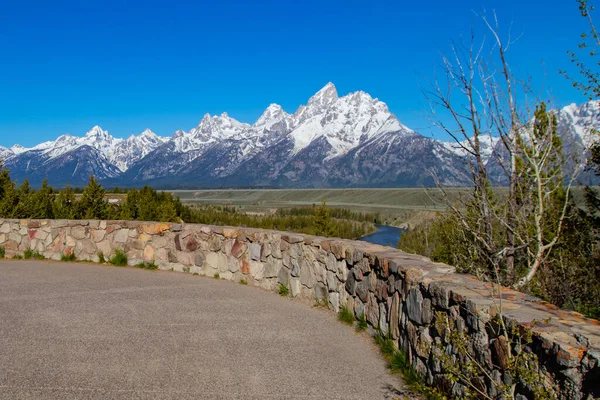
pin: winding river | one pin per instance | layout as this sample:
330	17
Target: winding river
384	235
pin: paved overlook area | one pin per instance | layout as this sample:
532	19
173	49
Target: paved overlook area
88	331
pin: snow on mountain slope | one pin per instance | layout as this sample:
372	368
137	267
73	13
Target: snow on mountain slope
18	149
73	167
344	122
5	153
351	140
581	122
487	144
118	152
124	153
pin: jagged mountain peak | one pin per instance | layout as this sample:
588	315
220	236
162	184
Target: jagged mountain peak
271	116
591	107
324	97
331	141
97	131
580	122
343	122
17	149
218	127
148	132
317	104
178	133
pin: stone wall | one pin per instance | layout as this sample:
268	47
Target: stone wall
400	294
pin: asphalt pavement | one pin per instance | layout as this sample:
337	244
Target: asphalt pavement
87	331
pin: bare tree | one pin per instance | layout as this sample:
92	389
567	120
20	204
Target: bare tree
589	80
477	103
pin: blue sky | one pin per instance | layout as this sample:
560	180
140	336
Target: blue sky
129	65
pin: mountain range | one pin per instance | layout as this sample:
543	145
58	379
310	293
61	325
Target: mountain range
332	141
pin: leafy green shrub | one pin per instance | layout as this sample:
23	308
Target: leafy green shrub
243	281
362	323
385	344
283	290
17	257
70	257
38	256
217	276
119	259
2	252
346	316
151	266
27	254
101	258
147	265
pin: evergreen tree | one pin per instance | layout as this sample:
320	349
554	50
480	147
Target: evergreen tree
65	206
166	212
24	206
93	204
8	195
129	208
147	204
323	225
42	202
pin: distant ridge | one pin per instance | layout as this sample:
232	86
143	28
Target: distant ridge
332	141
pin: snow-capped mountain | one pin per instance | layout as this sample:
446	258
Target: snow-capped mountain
279	148
126	152
331	141
487	145
71	159
5	153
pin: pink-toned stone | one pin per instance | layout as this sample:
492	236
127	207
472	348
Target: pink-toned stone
238	249
191	244
70	241
11	245
149	253
245	267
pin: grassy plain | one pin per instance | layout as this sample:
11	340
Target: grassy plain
395	205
